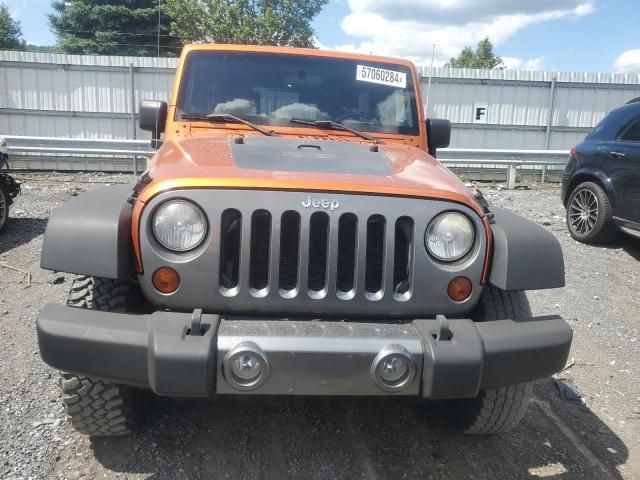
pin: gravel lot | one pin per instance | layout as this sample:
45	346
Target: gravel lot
326	438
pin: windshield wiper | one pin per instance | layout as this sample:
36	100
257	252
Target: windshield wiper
330	124
225	117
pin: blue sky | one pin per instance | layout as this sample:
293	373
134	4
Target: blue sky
567	35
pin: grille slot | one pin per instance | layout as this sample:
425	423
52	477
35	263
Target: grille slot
347	238
289	250
230	238
318	246
376	226
260	243
403	257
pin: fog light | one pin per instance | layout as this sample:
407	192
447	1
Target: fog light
246	367
393	369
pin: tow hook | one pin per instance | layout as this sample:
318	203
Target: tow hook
196	329
444	332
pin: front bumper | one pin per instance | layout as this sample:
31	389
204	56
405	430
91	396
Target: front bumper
453	359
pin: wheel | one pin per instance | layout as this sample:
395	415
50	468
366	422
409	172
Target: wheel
589	214
495	410
98	407
5	200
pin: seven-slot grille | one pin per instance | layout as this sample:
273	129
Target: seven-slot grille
316	255
296	254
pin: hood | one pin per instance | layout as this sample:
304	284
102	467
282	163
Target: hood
305	164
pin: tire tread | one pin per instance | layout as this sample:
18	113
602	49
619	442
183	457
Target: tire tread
98	407
496	410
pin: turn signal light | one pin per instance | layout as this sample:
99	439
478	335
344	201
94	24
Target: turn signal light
459	289
166	280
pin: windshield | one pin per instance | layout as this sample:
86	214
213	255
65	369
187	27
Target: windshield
273	89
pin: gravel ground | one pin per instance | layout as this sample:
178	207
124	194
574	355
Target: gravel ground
326	438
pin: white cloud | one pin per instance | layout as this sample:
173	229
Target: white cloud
512	63
409	28
534	64
628	62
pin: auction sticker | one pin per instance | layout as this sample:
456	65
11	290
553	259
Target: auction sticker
381	76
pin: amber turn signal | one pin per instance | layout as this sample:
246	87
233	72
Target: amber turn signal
166	280
459	289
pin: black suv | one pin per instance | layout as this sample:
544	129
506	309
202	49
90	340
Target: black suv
601	182
9	188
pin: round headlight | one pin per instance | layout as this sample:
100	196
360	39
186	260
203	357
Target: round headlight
179	225
449	236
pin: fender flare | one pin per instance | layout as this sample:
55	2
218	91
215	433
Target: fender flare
91	234
595	175
526	256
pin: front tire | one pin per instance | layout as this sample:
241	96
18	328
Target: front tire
5	201
495	410
99	407
589	214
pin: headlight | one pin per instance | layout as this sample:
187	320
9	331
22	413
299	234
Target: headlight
179	225
449	236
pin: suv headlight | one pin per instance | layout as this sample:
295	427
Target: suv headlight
179	225
449	236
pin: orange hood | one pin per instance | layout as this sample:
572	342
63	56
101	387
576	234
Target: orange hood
305	164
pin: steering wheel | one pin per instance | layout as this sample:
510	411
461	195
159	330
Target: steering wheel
357	117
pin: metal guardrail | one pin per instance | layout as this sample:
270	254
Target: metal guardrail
71	154
78	154
500	159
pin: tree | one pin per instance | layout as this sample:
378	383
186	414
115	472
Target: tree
263	22
10	31
112	27
483	57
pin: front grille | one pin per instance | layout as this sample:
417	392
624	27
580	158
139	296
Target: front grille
335	252
294	255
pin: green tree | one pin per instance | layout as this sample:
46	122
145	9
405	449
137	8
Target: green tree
112	27
10	31
263	22
483	57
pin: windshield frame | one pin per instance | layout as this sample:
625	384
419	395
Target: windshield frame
416	133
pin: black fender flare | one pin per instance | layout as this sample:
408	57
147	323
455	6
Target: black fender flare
590	174
526	256
91	234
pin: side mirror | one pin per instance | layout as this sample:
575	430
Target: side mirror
438	134
153	118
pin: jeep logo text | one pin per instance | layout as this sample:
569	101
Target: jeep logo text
325	203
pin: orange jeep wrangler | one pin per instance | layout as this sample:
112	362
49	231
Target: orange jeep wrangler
295	235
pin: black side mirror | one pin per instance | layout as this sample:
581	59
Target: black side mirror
153	118
438	134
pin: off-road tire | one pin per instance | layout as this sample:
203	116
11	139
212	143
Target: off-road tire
5	202
603	230
495	410
98	407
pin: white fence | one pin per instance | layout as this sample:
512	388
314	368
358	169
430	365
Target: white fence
524	110
51	95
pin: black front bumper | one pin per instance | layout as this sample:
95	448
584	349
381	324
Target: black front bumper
453	359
